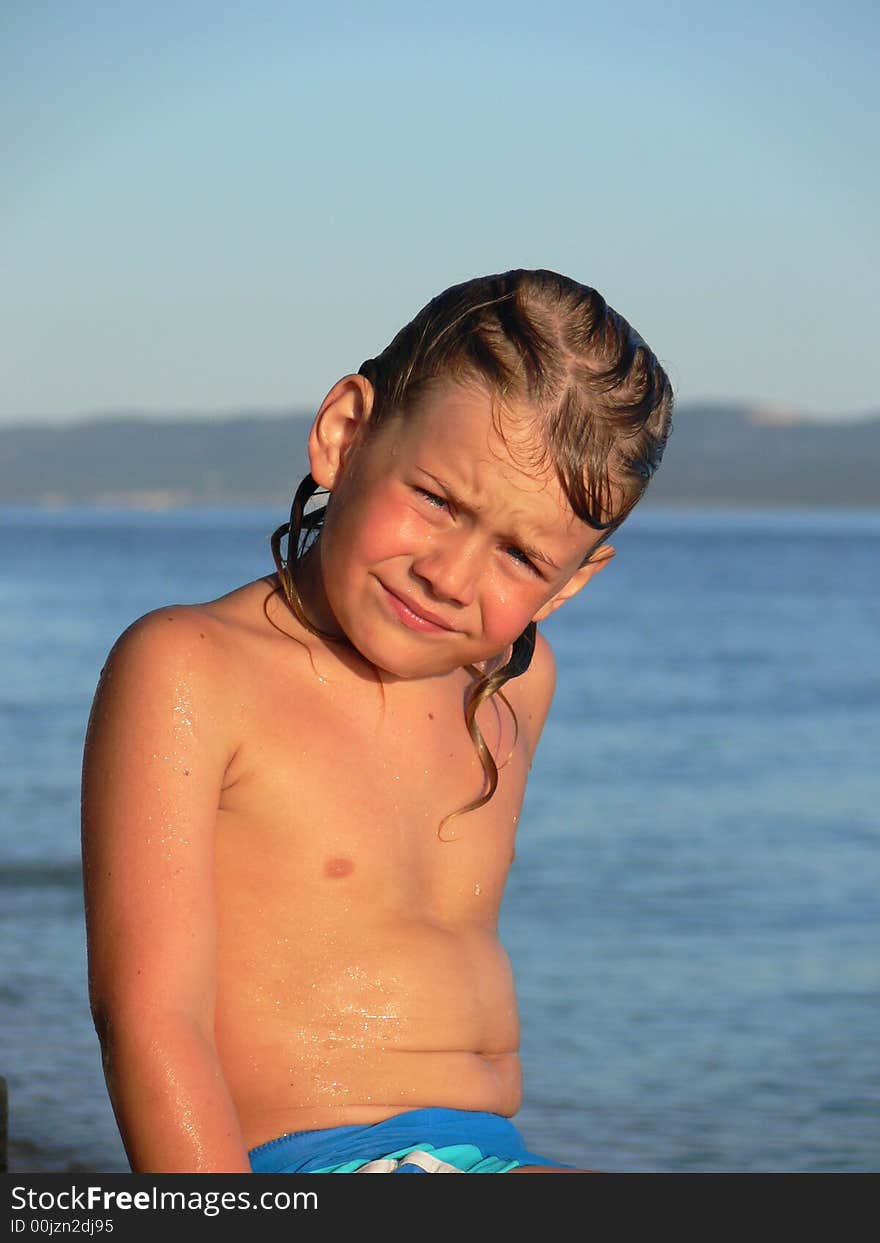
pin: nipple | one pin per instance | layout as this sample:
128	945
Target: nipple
338	867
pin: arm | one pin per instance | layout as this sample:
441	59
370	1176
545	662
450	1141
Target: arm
154	764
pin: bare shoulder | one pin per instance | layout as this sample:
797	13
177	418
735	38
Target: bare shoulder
166	633
532	694
176	666
169	646
194	637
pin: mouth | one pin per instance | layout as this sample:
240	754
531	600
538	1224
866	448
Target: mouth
414	615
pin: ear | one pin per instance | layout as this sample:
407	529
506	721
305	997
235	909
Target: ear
598	560
344	411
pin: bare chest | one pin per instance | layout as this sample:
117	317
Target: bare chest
342	796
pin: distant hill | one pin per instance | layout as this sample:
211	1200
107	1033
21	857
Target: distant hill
718	455
734	455
155	461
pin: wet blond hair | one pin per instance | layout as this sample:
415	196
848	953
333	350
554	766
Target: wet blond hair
600	403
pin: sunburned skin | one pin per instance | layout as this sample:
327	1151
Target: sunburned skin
269	891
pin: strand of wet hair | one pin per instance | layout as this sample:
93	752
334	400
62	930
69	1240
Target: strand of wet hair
488	685
297	530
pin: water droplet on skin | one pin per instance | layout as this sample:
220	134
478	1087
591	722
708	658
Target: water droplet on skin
476	891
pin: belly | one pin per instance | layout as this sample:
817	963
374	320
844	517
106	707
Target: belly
339	1029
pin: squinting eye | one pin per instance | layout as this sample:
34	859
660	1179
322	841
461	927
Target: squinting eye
431	497
519	556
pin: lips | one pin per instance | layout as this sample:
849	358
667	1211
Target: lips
414	614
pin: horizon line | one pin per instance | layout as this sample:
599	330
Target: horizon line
761	413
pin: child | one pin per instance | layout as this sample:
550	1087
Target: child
300	800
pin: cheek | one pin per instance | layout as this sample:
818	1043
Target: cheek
377	529
508	608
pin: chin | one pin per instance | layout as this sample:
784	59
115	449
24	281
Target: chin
420	657
406	665
409	670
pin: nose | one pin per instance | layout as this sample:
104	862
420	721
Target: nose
449	567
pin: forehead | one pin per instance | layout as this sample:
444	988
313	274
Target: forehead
490	455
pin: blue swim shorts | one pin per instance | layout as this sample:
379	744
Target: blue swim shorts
419	1141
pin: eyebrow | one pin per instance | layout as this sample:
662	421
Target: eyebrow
529	549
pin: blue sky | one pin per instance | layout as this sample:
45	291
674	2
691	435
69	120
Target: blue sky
214	206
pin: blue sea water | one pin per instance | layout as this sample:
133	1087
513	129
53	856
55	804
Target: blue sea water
694	909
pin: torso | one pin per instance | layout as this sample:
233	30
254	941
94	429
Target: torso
359	968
